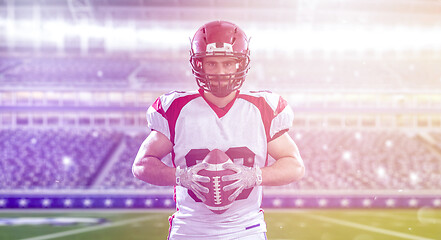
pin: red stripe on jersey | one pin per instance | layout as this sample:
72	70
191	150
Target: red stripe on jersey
280	106
170	222
173	112
157	105
173	154
266	112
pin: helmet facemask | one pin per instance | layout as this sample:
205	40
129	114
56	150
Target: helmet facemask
220	85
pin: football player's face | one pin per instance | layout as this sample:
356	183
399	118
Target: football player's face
219	65
220	72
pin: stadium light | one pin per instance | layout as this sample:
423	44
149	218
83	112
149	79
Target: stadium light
367	202
68	202
328	38
46	202
164	38
108	202
87	202
390	202
54	30
349	37
23	202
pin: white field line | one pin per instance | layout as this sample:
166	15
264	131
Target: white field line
392	216
90	229
416	218
368	228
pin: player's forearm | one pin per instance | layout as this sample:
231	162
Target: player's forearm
153	171
284	171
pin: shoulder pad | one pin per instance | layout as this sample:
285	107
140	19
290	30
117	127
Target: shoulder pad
168	98
272	99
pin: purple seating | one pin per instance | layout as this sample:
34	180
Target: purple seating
334	159
52	159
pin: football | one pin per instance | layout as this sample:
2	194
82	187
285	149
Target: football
217	199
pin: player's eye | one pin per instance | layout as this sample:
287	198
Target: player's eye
230	65
210	64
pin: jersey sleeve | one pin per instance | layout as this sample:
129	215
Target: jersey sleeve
282	119
157	119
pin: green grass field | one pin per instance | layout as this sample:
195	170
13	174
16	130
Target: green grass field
303	224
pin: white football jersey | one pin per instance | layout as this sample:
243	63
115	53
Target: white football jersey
242	130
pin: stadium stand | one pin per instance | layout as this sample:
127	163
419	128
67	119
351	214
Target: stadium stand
67	72
120	175
367	160
53	159
335	159
288	73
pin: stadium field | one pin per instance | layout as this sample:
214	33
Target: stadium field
283	224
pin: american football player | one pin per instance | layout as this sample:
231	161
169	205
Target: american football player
246	126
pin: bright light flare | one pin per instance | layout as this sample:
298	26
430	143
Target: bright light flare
169	38
381	172
347	155
358	136
66	161
414	178
348	38
389	143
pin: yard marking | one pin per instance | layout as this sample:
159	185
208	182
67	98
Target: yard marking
90	229
368	228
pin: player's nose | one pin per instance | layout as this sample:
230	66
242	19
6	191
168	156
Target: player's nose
220	69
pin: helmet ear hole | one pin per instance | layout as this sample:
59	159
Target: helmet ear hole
196	64
199	64
243	64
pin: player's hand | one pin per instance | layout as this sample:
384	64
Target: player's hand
190	179
244	178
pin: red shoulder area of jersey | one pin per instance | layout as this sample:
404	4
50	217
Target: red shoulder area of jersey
164	102
217	199
264	98
170	105
269	105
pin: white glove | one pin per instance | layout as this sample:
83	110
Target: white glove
190	179
245	177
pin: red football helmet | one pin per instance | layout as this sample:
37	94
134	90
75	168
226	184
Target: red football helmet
220	38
